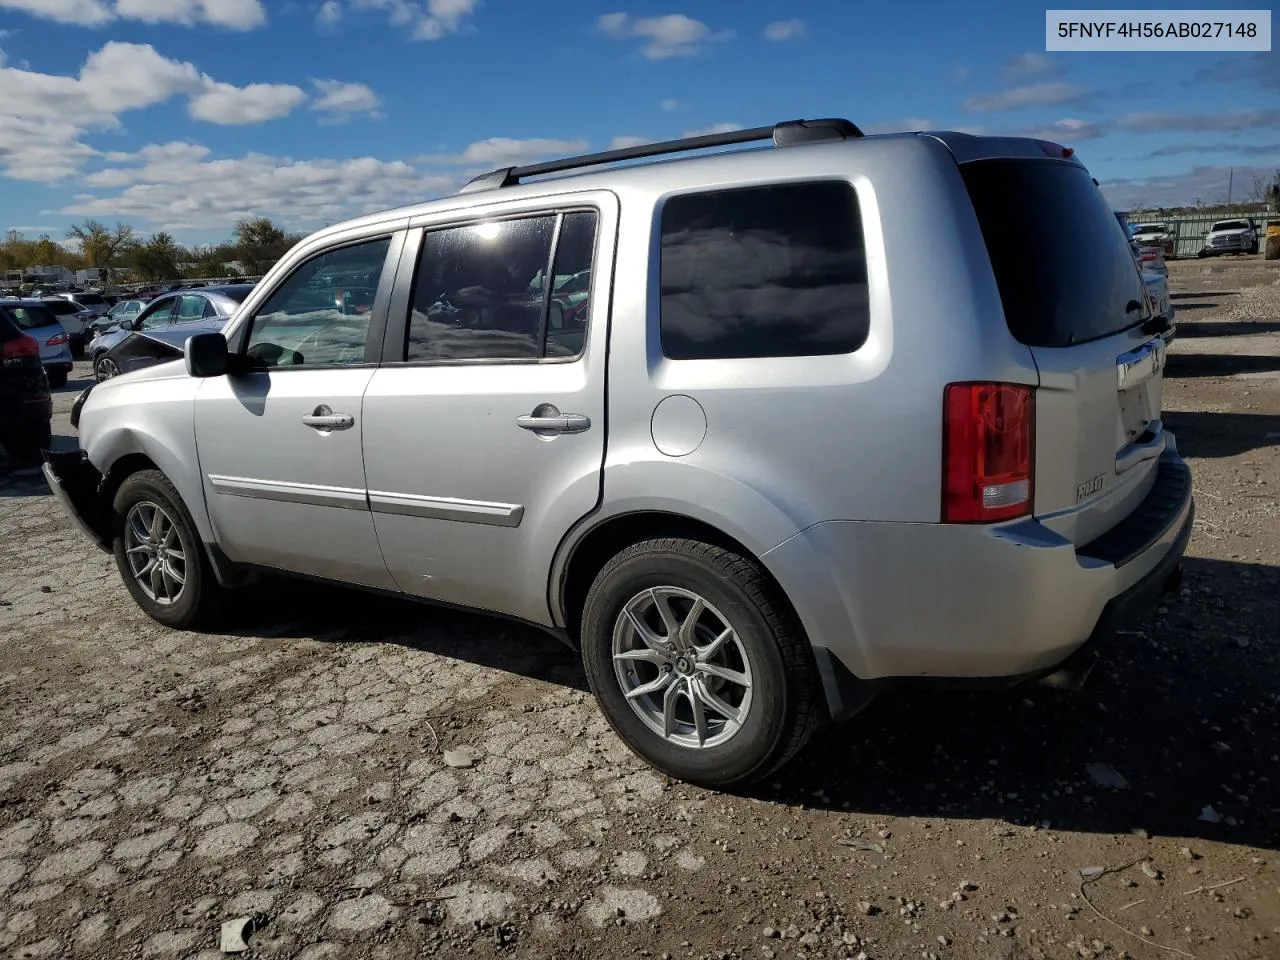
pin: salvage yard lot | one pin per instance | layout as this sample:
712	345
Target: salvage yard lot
371	778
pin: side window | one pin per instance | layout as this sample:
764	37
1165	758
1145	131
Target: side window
776	271
210	311
320	314
158	314
191	307
480	292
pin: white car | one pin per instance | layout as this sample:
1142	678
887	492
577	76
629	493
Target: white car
1230	236
1154	235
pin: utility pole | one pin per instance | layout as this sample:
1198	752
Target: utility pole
1231	177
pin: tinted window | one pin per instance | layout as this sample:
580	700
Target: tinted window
763	272
1063	265
320	314
238	294
480	291
210	311
31	318
92	299
1231	225
60	308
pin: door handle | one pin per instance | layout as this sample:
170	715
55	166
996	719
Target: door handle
324	420
547	421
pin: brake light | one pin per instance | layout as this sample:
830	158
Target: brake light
21	347
57	340
987	442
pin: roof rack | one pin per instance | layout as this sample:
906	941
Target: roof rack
784	134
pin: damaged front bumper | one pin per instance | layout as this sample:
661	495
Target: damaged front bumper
77	485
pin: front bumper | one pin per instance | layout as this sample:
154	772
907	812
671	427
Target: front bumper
77	486
998	603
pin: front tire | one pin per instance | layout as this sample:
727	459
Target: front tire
698	662
159	553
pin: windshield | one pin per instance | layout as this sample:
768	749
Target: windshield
30	318
1231	225
1061	261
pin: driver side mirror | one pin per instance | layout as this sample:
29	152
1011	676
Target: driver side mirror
206	355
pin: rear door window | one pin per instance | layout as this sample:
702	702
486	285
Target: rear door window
774	271
1062	261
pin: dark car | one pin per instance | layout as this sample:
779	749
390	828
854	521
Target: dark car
146	348
26	408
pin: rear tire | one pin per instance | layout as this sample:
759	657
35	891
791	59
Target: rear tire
160	555
727	623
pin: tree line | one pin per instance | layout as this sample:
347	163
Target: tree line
256	245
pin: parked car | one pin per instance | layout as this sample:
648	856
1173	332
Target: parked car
1230	236
122	312
148	347
26	408
812	472
74	318
1155	235
91	300
208	303
35	320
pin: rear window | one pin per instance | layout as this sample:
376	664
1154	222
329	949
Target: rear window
60	308
30	318
776	271
1062	262
238	294
92	299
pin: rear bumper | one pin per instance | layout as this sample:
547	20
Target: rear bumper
889	600
76	485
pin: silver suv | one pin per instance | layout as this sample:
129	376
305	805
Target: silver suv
838	413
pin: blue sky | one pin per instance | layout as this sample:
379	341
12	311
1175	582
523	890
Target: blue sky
187	115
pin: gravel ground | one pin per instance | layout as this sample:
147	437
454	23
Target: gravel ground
369	778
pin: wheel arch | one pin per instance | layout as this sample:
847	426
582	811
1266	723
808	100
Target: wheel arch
583	556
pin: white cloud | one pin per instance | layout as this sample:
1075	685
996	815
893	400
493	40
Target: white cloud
714	128
1031	64
340	101
896	126
233	14
1035	95
1203	183
228	105
673	35
85	13
329	14
1066	130
1232	120
45	117
961	74
784	30
670	104
621	143
180	186
498	152
430	20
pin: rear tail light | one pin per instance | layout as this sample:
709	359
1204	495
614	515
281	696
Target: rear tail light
57	340
987	447
21	347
